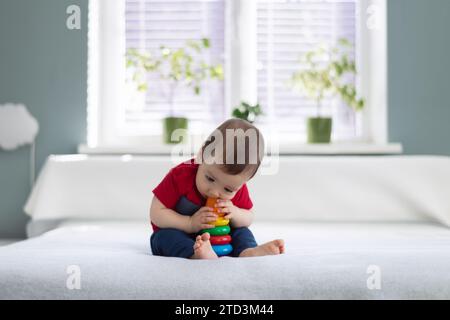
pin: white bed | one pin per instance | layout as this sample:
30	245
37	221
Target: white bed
323	261
339	259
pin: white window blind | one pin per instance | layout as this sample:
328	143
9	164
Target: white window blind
152	23
285	31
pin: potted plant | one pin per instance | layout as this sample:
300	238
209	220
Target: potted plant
247	111
325	73
175	68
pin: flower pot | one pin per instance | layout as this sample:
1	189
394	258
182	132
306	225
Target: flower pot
319	130
170	125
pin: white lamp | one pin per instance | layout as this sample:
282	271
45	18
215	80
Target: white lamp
18	128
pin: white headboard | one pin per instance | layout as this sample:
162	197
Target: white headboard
391	188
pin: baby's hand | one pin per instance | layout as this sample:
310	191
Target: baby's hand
201	219
227	207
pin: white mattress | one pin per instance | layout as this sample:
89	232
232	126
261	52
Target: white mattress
322	261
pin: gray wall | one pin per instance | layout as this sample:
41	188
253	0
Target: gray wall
43	65
419	68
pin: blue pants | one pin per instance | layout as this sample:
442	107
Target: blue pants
176	243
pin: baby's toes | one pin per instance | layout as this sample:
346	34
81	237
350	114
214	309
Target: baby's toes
276	246
198	242
205	236
280	244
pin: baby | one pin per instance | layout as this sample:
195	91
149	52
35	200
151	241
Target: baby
220	170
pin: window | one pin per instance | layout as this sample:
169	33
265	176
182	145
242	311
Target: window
259	42
285	31
152	23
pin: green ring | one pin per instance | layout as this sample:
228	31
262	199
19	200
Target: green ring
217	231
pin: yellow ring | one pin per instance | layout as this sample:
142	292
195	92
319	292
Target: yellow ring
221	222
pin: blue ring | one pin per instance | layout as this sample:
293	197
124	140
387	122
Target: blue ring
223	250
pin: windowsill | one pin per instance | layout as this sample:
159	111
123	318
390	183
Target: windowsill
287	149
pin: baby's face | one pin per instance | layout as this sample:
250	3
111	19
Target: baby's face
211	181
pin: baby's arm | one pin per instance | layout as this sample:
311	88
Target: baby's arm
238	217
242	218
167	218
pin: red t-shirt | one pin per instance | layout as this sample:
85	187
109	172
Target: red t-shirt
180	181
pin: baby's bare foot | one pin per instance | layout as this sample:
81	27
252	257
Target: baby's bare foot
270	248
203	249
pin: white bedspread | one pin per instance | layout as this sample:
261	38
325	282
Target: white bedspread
322	260
405	188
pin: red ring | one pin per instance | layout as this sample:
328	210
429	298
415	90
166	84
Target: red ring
219	240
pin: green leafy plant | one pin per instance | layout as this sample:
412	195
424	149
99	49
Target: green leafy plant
325	72
247	111
175	67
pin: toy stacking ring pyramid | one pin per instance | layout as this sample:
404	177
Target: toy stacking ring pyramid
220	238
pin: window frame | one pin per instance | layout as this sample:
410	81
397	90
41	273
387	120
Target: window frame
107	33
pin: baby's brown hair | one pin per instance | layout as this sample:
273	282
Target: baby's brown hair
231	159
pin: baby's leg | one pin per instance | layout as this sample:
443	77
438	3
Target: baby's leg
241	239
171	242
244	245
